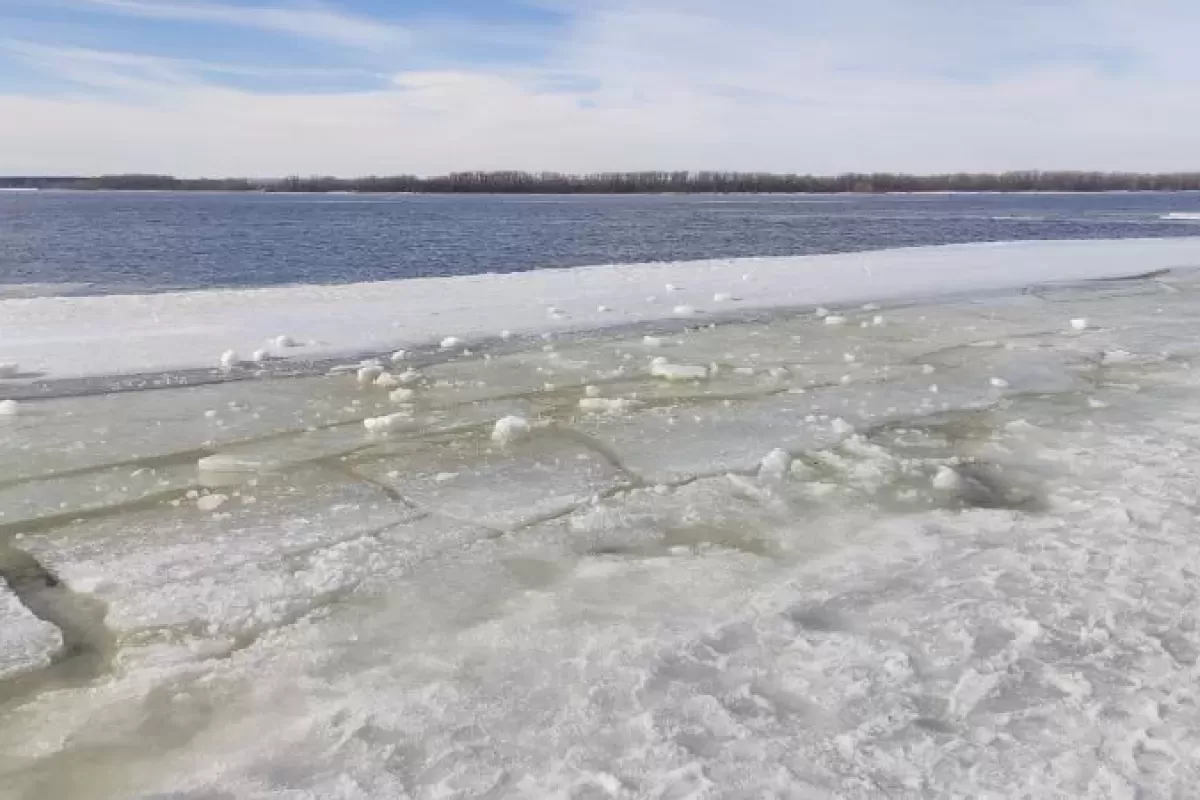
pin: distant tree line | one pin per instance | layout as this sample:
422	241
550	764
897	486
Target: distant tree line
509	182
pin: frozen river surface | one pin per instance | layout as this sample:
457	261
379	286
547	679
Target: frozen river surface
935	549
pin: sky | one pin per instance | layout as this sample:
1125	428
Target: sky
264	88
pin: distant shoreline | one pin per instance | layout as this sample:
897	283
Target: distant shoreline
626	183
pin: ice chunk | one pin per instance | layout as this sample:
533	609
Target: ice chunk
947	480
259	356
211	502
232	463
606	405
722	297
450	343
284	341
840	426
684	311
511	429
999	383
399	356
678	372
652	341
1080	324
603	309
775	465
822	312
387	381
368	374
389	422
229	359
401	395
9	408
26	642
833	319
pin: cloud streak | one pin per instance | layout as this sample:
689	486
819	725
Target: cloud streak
309	22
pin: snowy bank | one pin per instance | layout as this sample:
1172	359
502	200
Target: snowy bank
66	337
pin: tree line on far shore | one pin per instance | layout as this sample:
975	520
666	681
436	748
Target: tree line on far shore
511	182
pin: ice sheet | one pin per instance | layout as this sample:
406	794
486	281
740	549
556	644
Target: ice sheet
983	591
69	337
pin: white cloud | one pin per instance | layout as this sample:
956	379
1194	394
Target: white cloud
150	75
668	84
311	22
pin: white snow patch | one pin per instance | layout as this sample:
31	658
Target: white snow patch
833	319
9	408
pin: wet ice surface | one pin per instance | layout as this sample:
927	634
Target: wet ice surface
27	643
974	578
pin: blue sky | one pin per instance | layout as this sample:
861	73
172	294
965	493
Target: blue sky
265	87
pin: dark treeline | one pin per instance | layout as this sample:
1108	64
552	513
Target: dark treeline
643	183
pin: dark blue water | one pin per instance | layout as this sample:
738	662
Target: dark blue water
108	242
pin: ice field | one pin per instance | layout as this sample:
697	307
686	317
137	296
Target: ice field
934	539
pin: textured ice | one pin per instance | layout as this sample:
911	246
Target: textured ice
272	552
26	642
471	478
772	583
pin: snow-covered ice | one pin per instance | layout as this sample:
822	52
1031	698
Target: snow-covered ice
74	336
767	583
